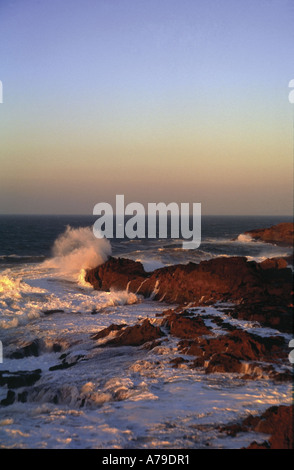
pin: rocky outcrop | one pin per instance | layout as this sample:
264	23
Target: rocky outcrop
281	234
272	316
136	335
184	326
116	273
276	421
218	279
19	379
233	351
31	348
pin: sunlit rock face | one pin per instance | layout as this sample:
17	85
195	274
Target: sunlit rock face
280	234
222	278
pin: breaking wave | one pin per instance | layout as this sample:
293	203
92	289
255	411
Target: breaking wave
244	238
78	249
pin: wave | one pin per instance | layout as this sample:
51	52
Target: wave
114	299
21	302
78	249
244	238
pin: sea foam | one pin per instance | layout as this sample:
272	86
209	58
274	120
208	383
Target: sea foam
77	249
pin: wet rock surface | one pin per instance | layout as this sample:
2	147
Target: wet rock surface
234	350
136	335
276	421
280	234
219	279
19	379
272	316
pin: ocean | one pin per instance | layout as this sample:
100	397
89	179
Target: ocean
125	397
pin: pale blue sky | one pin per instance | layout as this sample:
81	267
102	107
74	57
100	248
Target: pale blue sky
166	100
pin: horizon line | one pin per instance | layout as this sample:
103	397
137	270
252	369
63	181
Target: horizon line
93	215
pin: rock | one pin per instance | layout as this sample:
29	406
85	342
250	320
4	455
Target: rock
35	348
239	352
19	379
106	331
178	362
67	364
135	335
223	362
10	398
274	263
276	421
277	317
280	234
116	274
240	344
30	349
22	397
255	445
184	326
52	311
219	279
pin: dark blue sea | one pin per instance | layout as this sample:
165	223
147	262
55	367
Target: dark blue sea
30	238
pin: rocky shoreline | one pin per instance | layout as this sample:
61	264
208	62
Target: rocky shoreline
220	279
223	316
280	234
260	293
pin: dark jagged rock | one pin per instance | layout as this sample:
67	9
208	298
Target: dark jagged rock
66	364
52	311
184	326
30	349
106	331
9	400
34	348
272	316
280	234
133	335
276	421
240	344
237	351
115	274
219	279
274	263
19	379
23	396
224	362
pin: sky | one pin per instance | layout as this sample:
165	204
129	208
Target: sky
158	100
